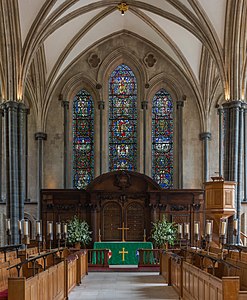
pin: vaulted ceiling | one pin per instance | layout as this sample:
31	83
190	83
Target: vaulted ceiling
202	37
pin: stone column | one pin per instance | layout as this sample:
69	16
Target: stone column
40	137
205	137
220	113
65	105
240	168
180	105
101	106
12	166
22	156
144	105
1	145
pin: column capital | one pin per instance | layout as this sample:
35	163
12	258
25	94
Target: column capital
65	103
205	135
13	105
23	108
144	104
232	104
40	136
180	102
101	104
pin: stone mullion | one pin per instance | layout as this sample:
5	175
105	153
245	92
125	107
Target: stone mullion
65	105
40	137
180	105
101	106
205	137
144	105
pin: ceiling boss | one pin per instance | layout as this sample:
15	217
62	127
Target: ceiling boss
123	7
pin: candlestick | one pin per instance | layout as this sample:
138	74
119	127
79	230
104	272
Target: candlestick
208	227
8	224
196	227
65	228
49	227
26	228
223	227
58	228
38	227
19	226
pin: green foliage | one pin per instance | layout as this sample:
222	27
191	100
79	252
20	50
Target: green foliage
163	232
78	231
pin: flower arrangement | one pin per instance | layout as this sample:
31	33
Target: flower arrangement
163	232
78	231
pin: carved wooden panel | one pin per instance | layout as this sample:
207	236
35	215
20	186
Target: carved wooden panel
135	216
111	222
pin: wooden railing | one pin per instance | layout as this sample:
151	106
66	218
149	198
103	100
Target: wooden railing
149	257
98	257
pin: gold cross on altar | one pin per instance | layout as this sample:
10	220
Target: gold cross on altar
123	253
123	228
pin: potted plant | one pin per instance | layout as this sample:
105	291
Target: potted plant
163	233
78	232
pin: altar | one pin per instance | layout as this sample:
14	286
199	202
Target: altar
123	253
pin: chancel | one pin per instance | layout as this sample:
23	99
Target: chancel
130	118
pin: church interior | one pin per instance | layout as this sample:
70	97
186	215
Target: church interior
123	116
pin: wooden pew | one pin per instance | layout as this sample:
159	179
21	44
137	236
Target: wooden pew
194	283
5	273
54	282
47	285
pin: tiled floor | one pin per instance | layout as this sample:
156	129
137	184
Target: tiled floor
123	285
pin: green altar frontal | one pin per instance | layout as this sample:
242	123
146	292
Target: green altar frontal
123	253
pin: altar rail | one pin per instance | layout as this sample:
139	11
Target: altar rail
149	257
191	282
98	257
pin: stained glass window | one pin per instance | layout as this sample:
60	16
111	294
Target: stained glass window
122	119
83	139
162	139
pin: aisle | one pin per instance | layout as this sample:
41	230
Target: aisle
123	285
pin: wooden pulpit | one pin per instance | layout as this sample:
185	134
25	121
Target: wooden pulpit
219	202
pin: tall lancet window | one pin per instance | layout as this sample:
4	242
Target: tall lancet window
83	140
122	119
162	139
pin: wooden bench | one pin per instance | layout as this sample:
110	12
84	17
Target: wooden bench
5	273
192	282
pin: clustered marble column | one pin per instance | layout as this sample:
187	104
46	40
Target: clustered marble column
233	151
220	113
1	145
101	106
40	137
144	105
65	105
245	154
180	105
205	137
15	155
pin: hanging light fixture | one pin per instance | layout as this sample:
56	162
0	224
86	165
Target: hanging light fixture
123	7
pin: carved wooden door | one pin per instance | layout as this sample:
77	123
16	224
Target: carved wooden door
111	219
135	221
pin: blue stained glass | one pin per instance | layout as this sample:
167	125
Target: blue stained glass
122	119
83	140
162	139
